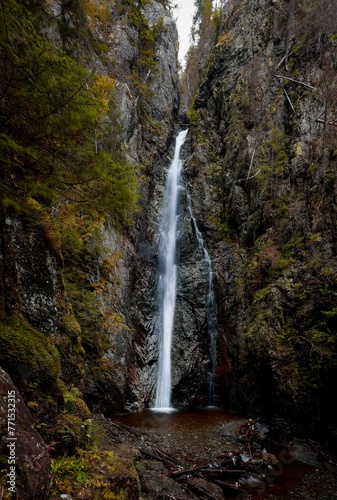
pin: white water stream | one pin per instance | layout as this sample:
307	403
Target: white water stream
211	309
167	281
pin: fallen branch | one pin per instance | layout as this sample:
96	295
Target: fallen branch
296	81
248	178
157	454
168	457
217	472
320	120
149	454
286	55
199	490
187	471
287	96
252	160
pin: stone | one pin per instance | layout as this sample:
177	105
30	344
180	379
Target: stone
32	460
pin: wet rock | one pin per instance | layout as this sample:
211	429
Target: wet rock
159	485
205	489
32	466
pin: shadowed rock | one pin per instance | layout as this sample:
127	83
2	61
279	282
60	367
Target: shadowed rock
32	466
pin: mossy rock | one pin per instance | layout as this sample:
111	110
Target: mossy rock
74	405
69	434
70	325
92	475
38	215
27	355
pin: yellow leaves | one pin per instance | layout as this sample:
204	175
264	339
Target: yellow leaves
101	89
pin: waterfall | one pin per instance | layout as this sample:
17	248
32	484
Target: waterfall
167	280
211	309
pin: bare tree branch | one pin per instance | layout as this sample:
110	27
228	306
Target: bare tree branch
287	96
296	81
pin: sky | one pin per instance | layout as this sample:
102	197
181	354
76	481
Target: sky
184	14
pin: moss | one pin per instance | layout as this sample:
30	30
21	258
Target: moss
95	475
70	325
43	218
26	354
193	116
225	37
69	433
75	405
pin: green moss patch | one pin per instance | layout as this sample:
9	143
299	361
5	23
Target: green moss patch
26	354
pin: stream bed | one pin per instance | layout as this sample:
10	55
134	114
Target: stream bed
198	437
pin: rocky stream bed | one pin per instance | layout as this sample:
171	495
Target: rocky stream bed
197	454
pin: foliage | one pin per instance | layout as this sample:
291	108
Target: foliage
52	125
193	117
90	475
97	8
145	64
74	404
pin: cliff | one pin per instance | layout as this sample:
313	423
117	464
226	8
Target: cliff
263	143
89	100
90	107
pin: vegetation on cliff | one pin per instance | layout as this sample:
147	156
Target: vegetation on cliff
69	189
64	177
265	113
54	145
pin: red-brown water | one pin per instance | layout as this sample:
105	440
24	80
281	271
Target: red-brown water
198	436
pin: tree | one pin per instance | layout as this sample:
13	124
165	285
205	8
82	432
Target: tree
52	116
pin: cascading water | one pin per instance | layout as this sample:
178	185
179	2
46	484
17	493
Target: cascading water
211	309
167	280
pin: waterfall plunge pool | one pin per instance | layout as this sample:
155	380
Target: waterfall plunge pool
198	436
192	429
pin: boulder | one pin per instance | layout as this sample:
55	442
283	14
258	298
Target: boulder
30	475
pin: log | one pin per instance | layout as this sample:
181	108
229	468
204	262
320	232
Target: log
149	454
196	489
168	457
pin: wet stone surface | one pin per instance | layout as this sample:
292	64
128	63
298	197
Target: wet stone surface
202	442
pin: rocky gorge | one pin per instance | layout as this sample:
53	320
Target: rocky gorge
81	205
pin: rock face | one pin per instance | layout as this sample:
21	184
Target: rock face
140	49
190	349
31	474
259	165
35	279
260	146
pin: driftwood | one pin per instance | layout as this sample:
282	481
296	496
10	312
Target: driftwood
157	454
198	490
287	96
226	487
239	472
167	457
188	471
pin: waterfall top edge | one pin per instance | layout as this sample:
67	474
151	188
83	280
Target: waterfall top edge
182	136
